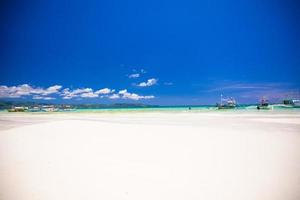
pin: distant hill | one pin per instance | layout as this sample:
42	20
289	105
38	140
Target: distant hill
117	105
9	104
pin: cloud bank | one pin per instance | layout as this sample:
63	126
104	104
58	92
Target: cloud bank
50	93
27	90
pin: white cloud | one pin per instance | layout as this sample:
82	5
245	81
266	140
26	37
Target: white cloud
136	75
7	91
127	95
39	93
122	91
149	83
89	95
114	96
80	92
26	90
105	91
67	94
52	90
85	93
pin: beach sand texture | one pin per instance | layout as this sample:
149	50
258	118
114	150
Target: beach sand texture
147	156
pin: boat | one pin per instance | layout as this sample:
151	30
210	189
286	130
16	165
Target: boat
49	108
35	109
230	103
292	103
264	104
66	108
18	109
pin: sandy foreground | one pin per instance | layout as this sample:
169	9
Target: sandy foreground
141	156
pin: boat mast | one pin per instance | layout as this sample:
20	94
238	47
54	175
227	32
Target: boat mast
221	103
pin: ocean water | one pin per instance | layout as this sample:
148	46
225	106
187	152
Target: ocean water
241	108
207	108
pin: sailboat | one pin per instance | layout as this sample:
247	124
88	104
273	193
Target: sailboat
228	103
264	104
49	108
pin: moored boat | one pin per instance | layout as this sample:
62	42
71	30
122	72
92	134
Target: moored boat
35	109
228	103
264	104
49	108
66	108
292	102
18	109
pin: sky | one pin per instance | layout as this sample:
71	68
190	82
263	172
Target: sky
165	52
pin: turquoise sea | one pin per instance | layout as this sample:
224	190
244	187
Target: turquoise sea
189	109
206	108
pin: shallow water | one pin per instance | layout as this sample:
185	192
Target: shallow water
276	108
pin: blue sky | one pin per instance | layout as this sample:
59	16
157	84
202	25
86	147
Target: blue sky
156	52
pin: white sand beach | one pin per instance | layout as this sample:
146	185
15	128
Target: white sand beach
155	155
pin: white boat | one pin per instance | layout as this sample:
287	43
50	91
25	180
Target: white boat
49	108
230	103
264	104
67	108
34	109
292	102
18	109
